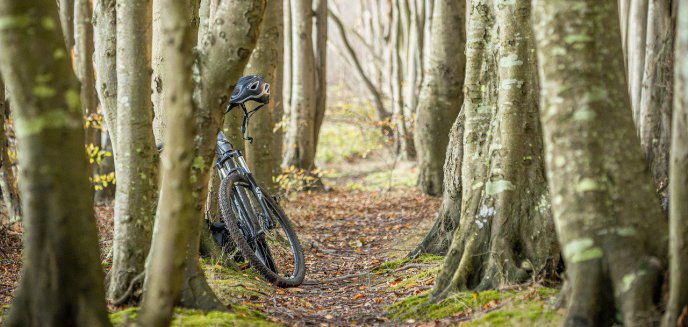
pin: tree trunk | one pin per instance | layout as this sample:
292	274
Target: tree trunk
287	71
678	181
66	8
438	239
320	48
441	95
637	32
278	96
609	223
165	266
264	62
83	58
136	162
157	58
105	40
62	280
654	118
8	180
506	232
624	12
105	170
300	142
222	54
403	141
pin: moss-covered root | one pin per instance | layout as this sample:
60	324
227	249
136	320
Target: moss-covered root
490	308
239	316
399	263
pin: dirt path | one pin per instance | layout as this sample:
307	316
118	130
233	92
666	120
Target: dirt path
349	233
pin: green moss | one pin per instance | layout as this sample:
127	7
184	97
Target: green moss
3	311
398	263
522	314
238	316
235	285
508	308
418	278
418	306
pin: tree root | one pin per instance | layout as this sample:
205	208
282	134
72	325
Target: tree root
130	290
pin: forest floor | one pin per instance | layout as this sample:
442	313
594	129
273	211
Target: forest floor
355	238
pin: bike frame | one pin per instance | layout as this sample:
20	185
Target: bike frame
231	160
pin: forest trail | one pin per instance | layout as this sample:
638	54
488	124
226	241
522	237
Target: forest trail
354	233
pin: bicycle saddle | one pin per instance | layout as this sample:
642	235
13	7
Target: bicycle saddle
249	88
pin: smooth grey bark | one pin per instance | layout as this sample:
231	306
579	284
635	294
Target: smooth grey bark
505	231
83	59
609	223
62	280
264	62
136	161
221	55
678	178
636	43
157	58
287	69
277	96
66	9
654	113
299	139
176	214
104	58
442	93
320	51
402	137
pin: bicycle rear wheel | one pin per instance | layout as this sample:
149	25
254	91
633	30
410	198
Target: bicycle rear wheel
262	232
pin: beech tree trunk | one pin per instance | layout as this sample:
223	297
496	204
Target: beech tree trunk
300	138
165	266
654	117
678	181
104	58
403	140
222	54
66	8
62	280
264	62
609	223
442	93
505	232
157	58
8	180
136	163
287	69
83	58
320	48
637	33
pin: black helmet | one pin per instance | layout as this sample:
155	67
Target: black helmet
250	87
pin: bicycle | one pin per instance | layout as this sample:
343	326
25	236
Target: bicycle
254	220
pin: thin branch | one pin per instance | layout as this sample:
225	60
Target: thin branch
380	111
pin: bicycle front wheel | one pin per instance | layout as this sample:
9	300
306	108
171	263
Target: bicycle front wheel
262	232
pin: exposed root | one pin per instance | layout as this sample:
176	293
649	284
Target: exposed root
130	290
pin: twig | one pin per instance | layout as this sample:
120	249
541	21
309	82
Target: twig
332	280
123	299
